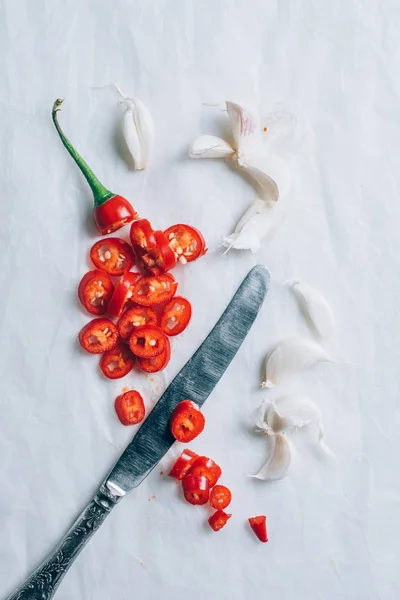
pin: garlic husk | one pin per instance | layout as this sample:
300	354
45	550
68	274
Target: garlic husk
279	459
245	128
290	356
315	309
270	173
209	146
258	224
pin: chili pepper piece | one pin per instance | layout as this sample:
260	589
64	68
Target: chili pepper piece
182	465
112	255
157	363
117	362
151	248
259	526
187	422
207	467
122	293
110	210
136	317
95	291
98	336
186	241
176	316
218	520
220	497
196	489
154	290
130	408
147	341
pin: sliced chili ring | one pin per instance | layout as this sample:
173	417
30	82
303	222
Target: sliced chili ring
259	527
147	341
118	362
220	497
142	235
112	255
95	291
187	421
207	467
176	315
218	520
196	489
122	293
157	258
182	465
98	336
158	363
154	290
186	241
136	317
130	408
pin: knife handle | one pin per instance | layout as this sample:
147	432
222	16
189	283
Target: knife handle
43	583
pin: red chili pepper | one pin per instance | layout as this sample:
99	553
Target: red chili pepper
182	466
110	210
98	336
151	248
122	293
206	466
136	317
218	520
118	362
154	290
130	408
158	363
196	489
259	526
187	422
220	497
95	291
147	341
112	255
187	242
176	315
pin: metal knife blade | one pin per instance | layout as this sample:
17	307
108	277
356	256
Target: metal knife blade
195	381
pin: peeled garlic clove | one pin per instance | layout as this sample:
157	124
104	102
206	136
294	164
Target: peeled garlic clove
315	308
138	131
279	460
258	224
290	356
245	128
209	146
270	173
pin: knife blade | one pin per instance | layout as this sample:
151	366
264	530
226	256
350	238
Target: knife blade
195	381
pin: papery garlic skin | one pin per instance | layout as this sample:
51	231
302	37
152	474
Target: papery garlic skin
290	356
138	131
258	225
315	308
279	459
209	146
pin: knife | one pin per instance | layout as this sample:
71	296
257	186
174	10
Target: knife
195	381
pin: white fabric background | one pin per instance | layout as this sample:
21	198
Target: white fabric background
333	525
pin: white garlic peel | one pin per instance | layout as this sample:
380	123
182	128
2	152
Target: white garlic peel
290	356
259	224
137	129
315	308
249	151
279	418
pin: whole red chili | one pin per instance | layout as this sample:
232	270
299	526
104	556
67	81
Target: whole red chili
111	212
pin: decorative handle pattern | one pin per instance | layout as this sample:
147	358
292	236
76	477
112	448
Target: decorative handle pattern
43	583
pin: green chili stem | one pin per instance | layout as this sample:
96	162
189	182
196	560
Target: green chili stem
100	193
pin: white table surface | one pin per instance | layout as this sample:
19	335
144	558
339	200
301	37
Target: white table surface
333	524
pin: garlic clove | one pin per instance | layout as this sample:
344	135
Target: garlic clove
258	224
138	131
269	172
209	146
279	459
245	128
315	309
290	356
